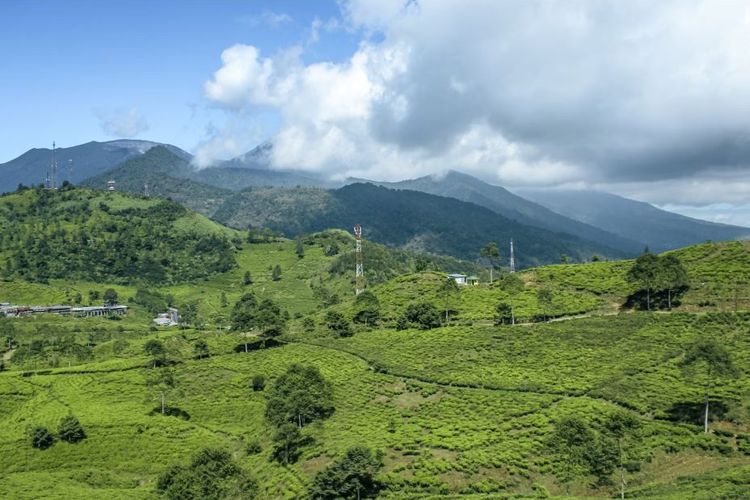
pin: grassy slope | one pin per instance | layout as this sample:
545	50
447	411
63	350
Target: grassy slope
439	437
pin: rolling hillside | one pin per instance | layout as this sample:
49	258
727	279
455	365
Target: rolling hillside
467	410
659	229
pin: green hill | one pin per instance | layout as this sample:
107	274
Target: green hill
106	236
467	410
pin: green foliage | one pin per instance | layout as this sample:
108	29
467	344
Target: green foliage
367	308
73	234
41	438
338	324
156	351
299	396
352	476
200	349
422	315
276	273
110	296
299	248
71	430
258	383
660	277
162	382
288	443
153	302
211	475
248	314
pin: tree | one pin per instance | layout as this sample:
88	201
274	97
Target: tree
247	279
673	276
223	300
41	438
512	285
189	313
163	383
503	313
492	254
288	441
211	475
715	360
299	248
258	383
420	264
352	476
623	427
338	325
300	396
243	313
156	350
544	299
571	441
645	274
367	308
423	315
332	249
276	273
448	292
110	297
71	430
200	349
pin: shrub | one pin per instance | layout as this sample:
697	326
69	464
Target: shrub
423	315
211	475
70	430
258	383
41	438
338	324
352	476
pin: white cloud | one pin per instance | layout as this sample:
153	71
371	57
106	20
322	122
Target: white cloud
595	92
121	122
268	18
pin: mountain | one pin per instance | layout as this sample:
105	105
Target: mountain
642	222
470	189
75	163
166	175
404	219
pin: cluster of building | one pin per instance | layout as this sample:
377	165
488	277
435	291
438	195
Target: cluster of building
15	311
169	318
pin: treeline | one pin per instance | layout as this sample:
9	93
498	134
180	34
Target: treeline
63	234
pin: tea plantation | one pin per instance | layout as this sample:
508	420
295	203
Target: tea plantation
468	409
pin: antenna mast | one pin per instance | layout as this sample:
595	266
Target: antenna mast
359	283
53	167
512	258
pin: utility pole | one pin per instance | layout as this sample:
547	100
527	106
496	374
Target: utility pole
512	258
53	167
359	283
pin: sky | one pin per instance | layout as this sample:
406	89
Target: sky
650	100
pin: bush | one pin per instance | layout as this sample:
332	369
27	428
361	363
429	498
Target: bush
70	430
258	383
352	476
254	447
41	438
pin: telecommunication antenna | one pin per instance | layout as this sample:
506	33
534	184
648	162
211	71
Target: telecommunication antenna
145	189
512	258
53	167
359	283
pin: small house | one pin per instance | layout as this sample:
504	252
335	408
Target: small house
472	280
459	278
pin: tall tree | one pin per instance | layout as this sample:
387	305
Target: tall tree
623	428
714	360
672	276
492	254
544	299
299	396
276	273
512	284
156	350
448	292
162	381
645	273
571	441
299	248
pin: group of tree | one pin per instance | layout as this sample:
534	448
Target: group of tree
512	285
658	279
366	308
422	315
582	451
212	474
248	314
70	430
338	324
351	476
297	398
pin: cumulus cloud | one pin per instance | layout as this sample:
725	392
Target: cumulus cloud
121	122
531	92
